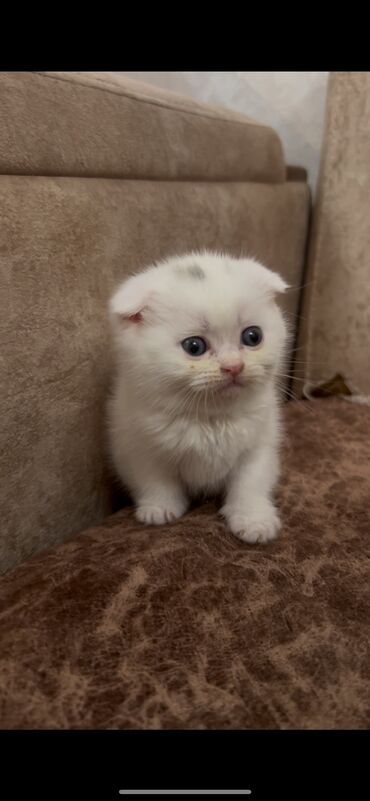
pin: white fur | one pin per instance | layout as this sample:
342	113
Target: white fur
176	430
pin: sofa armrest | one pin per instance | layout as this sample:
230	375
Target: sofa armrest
335	332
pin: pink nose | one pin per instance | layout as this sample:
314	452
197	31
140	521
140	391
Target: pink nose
233	369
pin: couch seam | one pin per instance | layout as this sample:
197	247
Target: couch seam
148	179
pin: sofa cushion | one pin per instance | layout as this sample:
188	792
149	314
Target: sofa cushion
104	125
183	626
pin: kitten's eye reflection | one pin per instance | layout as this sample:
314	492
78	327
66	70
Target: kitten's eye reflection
252	336
194	346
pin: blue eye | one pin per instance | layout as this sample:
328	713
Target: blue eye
252	336
194	346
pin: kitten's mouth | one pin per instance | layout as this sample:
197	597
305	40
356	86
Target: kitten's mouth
232	386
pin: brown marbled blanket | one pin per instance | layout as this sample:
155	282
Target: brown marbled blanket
183	626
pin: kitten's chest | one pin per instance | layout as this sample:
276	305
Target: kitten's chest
206	452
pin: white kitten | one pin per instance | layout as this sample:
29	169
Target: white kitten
194	410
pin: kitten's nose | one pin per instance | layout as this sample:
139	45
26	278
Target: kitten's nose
233	369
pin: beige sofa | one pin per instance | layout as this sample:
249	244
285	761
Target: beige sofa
335	327
99	178
182	627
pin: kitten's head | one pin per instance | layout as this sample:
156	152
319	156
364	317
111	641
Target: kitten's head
200	324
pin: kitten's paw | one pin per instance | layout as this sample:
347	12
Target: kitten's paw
256	525
156	513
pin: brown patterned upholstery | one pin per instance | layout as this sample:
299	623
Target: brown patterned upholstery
186	627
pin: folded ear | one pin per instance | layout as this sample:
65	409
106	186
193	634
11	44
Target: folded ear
272	282
276	283
131	299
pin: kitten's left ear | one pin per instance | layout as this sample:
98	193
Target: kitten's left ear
272	281
277	283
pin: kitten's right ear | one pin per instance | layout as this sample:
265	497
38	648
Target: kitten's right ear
128	304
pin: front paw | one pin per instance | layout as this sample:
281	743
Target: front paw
256	525
156	513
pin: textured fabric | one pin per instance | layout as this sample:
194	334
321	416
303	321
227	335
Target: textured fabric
335	327
64	246
184	626
87	124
